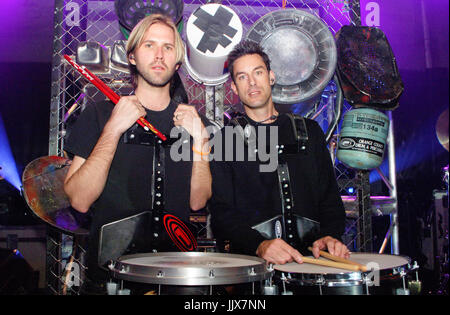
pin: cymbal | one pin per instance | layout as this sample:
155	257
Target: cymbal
442	129
43	190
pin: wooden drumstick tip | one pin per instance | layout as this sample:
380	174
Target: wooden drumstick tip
332	264
322	253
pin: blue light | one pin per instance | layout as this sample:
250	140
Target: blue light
351	190
18	253
413	151
7	163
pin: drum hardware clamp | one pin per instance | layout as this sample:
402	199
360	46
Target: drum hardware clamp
415	285
320	282
284	279
160	274
367	280
416	268
403	291
269	287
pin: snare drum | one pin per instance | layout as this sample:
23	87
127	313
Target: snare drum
192	269
386	275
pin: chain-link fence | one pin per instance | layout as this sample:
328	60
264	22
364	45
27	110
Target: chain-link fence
80	21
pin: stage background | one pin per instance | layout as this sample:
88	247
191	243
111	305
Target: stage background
417	30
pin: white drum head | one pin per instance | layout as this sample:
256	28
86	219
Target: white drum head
372	261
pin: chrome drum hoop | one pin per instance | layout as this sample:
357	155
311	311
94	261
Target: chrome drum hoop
189	268
389	267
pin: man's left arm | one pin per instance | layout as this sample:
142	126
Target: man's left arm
201	175
187	117
331	208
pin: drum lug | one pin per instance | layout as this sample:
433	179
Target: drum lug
160	274
211	274
402	273
415	266
367	280
124	269
320	280
111	265
252	272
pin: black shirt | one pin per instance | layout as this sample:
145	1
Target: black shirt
243	196
128	187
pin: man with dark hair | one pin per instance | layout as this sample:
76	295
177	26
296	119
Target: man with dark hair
246	48
274	214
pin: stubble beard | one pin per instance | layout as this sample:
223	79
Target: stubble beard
156	81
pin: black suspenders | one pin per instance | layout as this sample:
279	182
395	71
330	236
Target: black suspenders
289	222
158	179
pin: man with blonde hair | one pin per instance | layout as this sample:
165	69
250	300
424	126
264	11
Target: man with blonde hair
117	166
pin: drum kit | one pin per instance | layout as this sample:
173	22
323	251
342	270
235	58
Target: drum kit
383	274
388	274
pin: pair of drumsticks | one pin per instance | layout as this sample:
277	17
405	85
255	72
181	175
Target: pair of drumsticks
335	261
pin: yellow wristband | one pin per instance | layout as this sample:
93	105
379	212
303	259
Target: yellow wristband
201	153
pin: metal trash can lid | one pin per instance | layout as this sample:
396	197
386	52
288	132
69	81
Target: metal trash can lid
302	51
130	12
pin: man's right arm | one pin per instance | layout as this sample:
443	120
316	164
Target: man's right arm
86	178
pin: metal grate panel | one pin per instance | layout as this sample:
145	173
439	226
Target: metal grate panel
78	21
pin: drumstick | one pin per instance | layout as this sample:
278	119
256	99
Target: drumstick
341	260
109	93
328	263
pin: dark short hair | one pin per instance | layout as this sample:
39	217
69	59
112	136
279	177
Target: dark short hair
244	48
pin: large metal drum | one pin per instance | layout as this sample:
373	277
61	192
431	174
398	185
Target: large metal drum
386	276
189	269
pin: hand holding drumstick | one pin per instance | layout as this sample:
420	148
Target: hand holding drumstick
346	263
334	247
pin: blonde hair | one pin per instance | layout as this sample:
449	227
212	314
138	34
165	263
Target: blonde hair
137	34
